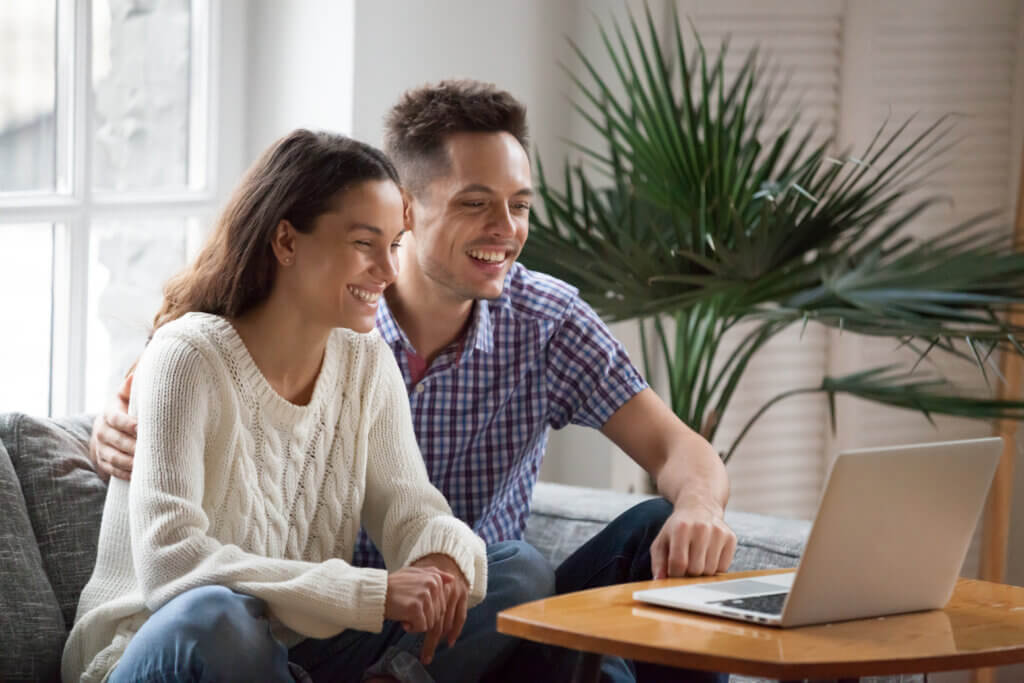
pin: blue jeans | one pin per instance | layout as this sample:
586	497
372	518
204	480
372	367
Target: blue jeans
214	634
619	553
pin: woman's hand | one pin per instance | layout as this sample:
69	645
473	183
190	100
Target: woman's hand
112	445
418	598
456	601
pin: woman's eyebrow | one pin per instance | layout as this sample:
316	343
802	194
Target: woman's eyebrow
363	226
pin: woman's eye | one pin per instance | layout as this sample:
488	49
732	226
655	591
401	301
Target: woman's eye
396	245
363	243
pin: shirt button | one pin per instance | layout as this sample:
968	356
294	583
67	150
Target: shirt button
420	388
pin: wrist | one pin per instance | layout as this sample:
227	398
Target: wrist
696	501
443	562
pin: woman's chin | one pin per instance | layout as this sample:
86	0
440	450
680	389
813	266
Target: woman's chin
362	325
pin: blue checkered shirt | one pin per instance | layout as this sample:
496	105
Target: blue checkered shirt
536	357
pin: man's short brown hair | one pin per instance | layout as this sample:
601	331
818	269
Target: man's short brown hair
418	125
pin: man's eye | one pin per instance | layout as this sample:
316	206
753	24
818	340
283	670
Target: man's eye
473	204
522	206
363	243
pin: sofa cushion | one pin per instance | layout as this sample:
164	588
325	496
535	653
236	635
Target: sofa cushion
31	625
63	495
565	517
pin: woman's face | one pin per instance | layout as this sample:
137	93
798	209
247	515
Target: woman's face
343	265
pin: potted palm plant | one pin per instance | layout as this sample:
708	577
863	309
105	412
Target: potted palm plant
687	218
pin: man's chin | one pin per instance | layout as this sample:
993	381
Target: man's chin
489	291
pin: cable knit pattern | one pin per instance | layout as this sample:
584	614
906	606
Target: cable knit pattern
233	485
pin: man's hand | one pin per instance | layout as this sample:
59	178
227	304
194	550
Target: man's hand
418	598
456	599
112	445
695	540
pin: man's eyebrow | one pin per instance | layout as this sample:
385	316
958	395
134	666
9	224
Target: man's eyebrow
477	187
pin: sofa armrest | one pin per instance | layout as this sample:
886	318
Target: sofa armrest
564	517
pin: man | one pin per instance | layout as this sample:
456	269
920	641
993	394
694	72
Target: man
494	354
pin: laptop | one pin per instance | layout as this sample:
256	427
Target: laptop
892	531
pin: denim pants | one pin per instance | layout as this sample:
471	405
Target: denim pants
214	634
620	553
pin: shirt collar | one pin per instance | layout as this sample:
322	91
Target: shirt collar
479	336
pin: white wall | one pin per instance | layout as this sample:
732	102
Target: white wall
341	65
518	46
399	45
300	68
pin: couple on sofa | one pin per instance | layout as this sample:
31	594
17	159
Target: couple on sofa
276	467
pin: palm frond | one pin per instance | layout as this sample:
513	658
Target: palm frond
687	209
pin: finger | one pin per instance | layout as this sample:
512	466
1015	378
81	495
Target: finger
104	465
728	552
439	604
451	604
659	557
125	391
460	619
700	535
122	422
678	555
435	628
714	554
431	600
115	458
430	642
119	474
123	443
419	620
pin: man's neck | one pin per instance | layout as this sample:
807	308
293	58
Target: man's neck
430	318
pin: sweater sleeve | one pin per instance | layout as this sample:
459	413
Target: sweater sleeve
404	514
174	396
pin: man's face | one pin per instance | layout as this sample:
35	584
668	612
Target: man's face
471	223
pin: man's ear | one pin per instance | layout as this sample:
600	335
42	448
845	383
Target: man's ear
283	242
408	210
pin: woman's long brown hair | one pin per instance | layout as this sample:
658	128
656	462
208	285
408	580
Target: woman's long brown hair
297	179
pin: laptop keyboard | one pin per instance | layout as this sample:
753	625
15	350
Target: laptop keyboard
766	604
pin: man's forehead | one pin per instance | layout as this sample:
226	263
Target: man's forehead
524	191
475	157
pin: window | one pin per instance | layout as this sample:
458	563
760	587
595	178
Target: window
106	164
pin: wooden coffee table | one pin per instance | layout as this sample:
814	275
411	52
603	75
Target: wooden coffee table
982	626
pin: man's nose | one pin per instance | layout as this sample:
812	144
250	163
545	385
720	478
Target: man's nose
502	222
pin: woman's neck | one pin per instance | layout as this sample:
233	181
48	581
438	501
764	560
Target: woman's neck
286	348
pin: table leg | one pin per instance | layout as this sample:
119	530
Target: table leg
588	668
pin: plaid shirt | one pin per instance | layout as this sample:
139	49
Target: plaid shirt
536	357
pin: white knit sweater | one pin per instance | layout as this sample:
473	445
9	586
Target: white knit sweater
233	485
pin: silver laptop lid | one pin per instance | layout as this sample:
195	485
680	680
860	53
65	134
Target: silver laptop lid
892	530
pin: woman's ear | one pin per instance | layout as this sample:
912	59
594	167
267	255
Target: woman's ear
283	243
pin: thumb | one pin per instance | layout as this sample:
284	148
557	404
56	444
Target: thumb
657	559
125	392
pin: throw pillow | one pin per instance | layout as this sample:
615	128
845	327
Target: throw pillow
63	495
31	625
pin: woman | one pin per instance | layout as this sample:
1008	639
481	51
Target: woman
269	430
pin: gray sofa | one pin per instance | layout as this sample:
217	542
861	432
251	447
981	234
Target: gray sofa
51	502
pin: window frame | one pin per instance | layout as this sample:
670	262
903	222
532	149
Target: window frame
72	206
